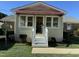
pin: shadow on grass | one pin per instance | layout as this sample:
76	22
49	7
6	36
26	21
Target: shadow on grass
7	46
66	43
28	43
73	40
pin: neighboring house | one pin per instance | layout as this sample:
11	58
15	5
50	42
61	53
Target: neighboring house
9	22
39	22
70	23
1	23
2	15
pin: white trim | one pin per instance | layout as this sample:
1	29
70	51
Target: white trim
26	21
32	20
15	24
46	21
58	23
52	22
20	22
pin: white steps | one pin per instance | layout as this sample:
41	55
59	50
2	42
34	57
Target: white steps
40	41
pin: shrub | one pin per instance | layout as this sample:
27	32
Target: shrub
2	31
23	38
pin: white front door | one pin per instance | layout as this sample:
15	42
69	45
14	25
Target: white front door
39	24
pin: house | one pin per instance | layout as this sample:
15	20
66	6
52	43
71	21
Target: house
39	22
2	15
71	24
9	22
1	23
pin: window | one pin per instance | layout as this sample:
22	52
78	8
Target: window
30	21
48	21
22	20
55	22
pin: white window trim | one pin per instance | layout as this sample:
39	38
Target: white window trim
20	22
52	22
46	21
32	20
58	22
25	22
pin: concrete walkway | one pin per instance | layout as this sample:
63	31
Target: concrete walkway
55	51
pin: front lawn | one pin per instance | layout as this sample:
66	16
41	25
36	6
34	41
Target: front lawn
17	50
24	50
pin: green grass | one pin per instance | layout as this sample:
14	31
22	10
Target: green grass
24	50
17	50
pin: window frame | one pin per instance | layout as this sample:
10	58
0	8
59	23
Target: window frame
58	22
46	21
20	21
32	21
26	23
52	22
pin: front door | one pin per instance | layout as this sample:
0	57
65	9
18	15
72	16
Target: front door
39	24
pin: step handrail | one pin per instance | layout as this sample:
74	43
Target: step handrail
46	34
33	36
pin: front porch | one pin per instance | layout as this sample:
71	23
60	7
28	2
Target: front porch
40	32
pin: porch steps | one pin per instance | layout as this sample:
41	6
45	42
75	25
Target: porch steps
40	41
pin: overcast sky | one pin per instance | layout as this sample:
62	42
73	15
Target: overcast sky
71	7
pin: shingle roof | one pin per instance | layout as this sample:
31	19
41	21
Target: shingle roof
9	18
39	8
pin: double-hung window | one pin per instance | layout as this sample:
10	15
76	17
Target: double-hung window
22	20
55	21
48	21
30	21
26	21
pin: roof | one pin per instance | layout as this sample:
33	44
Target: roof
9	18
70	19
39	8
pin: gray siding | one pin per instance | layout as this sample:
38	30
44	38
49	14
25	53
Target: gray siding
52	32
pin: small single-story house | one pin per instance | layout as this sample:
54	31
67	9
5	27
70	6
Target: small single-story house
39	21
9	22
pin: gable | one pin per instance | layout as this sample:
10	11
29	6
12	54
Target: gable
39	8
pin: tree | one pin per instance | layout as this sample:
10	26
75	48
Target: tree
2	15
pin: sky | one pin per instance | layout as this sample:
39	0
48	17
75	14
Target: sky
71	8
